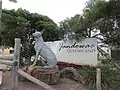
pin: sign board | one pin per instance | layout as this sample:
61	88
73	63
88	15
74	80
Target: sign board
79	53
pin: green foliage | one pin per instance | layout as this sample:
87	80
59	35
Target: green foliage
98	16
104	16
74	24
110	78
89	77
21	24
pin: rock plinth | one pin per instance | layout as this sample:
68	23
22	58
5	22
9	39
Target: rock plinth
47	75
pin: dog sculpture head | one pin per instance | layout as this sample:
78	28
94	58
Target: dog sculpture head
38	34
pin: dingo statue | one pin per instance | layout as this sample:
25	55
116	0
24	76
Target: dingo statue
44	51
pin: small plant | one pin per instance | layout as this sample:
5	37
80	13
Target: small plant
88	77
110	78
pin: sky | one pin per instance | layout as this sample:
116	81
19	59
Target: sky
57	10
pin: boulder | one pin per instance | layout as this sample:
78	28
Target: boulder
47	75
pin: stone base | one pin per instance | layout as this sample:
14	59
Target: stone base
47	75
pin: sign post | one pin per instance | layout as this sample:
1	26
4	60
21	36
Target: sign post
98	79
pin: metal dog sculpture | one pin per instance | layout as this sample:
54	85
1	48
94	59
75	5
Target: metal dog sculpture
44	51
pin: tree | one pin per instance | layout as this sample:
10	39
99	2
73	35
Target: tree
22	24
82	25
1	16
74	24
105	16
100	19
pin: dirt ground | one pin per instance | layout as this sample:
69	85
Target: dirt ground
64	84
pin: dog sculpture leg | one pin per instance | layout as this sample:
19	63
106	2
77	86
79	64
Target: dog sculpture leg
36	58
34	63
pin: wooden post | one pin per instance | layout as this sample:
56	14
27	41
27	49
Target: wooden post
6	62
98	79
7	57
16	64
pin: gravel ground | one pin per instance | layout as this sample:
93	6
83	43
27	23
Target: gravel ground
64	84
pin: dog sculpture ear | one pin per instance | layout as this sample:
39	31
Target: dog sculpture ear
42	31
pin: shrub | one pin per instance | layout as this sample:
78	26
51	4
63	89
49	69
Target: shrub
110	78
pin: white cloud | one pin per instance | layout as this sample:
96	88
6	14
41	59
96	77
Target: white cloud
57	10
